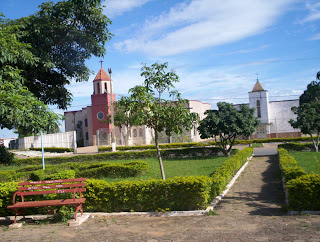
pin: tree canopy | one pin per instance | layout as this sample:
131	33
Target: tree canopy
311	94
61	36
19	108
227	123
308	112
159	114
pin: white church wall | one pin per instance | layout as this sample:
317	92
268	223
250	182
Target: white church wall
280	114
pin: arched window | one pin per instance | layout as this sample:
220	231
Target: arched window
105	87
98	87
258	109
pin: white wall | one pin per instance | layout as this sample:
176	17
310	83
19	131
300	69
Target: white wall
61	140
280	114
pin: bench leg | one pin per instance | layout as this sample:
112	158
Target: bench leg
17	213
77	210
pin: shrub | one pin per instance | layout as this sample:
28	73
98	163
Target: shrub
6	157
297	146
289	165
76	169
53	149
228	169
121	155
178	193
304	192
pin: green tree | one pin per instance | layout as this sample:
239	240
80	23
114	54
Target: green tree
62	36
19	108
312	94
308	112
227	123
170	116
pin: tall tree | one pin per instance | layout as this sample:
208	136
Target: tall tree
308	120
157	113
227	123
19	108
308	112
62	36
312	94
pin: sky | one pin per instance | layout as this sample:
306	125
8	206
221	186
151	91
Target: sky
218	48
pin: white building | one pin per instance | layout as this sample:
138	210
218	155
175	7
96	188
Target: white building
273	115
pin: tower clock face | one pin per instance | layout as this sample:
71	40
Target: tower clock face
100	115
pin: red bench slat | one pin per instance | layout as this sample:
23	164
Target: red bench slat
52	186
45	203
52	181
26	193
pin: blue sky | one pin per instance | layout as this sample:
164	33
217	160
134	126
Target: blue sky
215	46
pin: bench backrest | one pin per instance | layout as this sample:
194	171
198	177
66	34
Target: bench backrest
52	186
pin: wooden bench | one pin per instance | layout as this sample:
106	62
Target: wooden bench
73	186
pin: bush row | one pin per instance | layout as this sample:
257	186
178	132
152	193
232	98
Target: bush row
179	193
122	155
289	165
53	149
76	169
297	146
200	144
303	189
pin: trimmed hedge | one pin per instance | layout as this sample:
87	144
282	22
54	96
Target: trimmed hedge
76	169
289	165
228	169
122	155
303	189
297	146
179	193
200	144
304	192
53	149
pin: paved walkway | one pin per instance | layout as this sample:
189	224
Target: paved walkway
251	211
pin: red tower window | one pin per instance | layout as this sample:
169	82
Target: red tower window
98	87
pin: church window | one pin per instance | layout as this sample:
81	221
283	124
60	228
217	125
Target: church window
86	122
98	87
87	136
100	115
135	133
140	132
105	87
258	109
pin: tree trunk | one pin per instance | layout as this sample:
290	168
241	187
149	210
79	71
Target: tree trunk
315	144
158	154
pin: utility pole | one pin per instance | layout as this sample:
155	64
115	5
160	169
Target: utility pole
113	138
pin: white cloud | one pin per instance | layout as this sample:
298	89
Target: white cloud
116	8
316	37
204	23
314	12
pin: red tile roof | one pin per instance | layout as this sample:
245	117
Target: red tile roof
102	76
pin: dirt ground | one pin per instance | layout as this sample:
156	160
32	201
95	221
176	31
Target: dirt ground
251	211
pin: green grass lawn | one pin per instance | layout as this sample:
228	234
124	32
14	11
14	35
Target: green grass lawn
176	167
309	161
172	167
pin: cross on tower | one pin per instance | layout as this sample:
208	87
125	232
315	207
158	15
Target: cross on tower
101	63
257	76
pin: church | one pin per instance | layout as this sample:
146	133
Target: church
273	115
92	129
